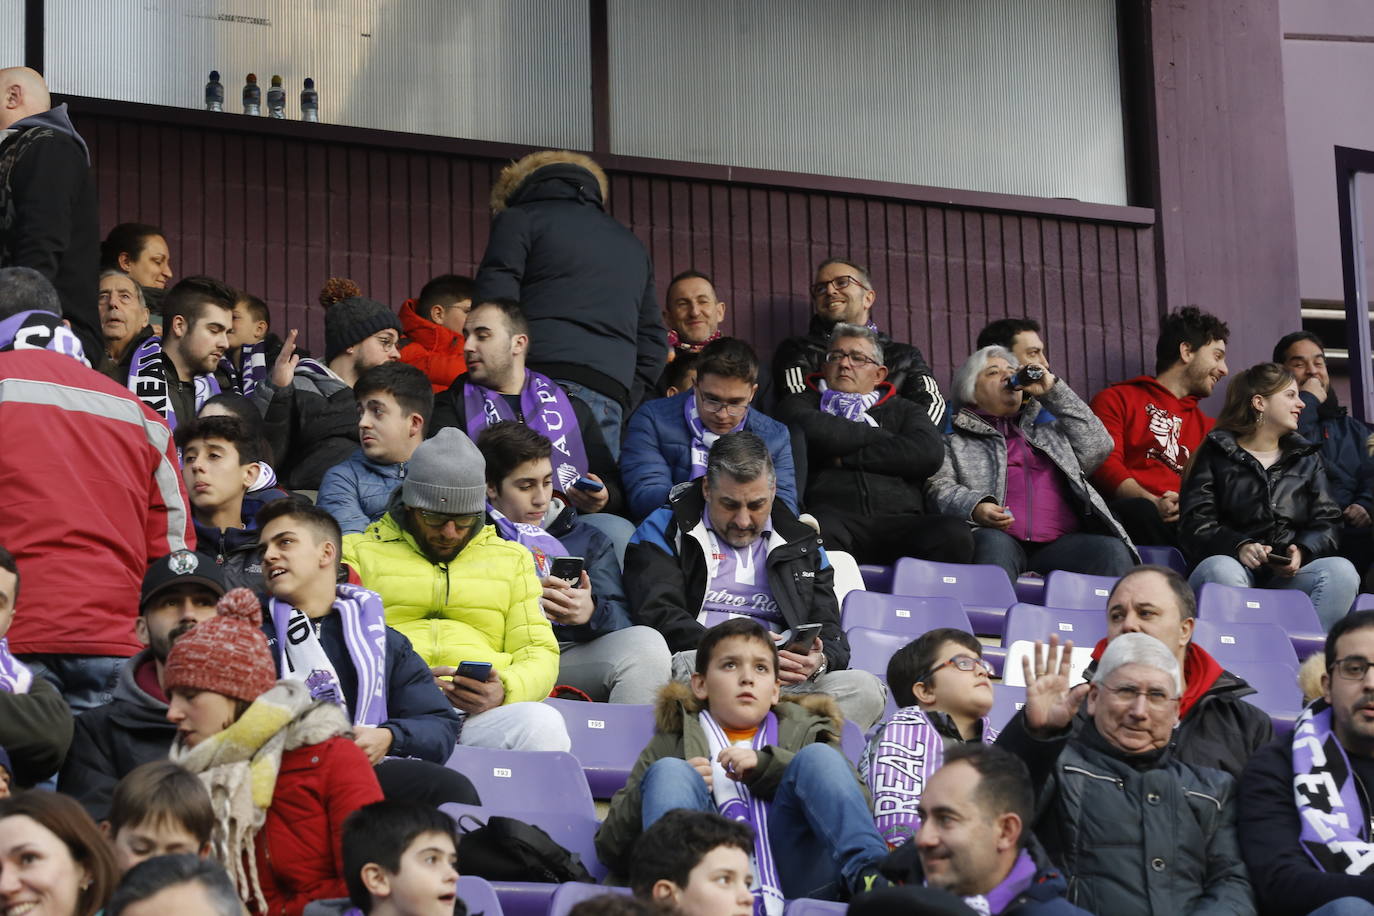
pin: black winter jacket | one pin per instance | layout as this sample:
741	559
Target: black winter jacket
907	370
36	731
882	469
585	282
665	575
1349	466
1229	500
312	425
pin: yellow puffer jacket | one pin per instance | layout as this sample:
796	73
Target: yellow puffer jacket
481	607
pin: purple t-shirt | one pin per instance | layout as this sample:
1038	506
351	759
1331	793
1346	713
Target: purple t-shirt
738	585
1037	493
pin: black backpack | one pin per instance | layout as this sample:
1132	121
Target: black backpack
506	849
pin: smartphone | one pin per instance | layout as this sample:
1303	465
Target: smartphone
802	638
591	486
1278	557
568	569
478	671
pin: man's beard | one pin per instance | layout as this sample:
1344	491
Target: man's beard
162	646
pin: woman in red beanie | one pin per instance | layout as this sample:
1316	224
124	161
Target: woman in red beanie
282	771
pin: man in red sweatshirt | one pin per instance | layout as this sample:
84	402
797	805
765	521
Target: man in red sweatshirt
1156	423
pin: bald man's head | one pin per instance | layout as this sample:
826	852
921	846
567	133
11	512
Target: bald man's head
22	94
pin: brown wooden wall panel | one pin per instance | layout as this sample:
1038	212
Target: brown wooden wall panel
279	214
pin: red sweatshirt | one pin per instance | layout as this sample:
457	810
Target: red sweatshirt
1154	435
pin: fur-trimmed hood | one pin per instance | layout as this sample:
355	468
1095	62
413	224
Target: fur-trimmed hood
574	175
676	699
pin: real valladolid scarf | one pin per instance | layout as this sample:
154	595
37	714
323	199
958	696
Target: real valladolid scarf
546	409
148	381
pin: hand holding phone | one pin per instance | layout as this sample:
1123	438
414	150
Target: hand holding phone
477	671
569	569
1278	556
802	638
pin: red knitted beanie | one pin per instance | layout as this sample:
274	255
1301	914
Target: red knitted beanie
226	654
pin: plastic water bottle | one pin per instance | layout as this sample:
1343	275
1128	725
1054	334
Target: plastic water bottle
310	102
214	93
276	99
252	96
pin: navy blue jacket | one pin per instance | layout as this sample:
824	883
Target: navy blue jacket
603	569
1349	468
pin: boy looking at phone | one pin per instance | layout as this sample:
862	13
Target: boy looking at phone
731	744
601	653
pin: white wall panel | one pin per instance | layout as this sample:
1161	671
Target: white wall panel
12	35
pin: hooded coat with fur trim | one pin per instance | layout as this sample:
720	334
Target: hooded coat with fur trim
585	282
802	719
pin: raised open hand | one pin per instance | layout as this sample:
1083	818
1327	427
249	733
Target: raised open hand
1050	701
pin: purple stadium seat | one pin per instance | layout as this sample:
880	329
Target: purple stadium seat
1231	642
983	589
478	895
1277	690
1163	556
1076	590
870	649
852	742
805	906
1364	602
1030	588
606	740
1289	608
902	614
1006	701
569	895
509	781
1032	622
876	578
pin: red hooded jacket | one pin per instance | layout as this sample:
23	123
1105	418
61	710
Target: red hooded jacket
433	348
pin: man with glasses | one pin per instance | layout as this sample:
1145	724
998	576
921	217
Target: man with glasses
1305	809
844	293
467	599
667	440
869	453
1136	830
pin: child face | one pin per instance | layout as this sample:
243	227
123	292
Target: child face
718	886
525	492
167	837
213	475
384	429
740	684
965	693
427	882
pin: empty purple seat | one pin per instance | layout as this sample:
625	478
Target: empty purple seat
1277	691
606	740
852	742
571	894
1033	622
525	780
983	589
805	906
871	649
1077	590
1163	556
876	578
1030	588
1234	643
478	895
1287	607
903	614
1364	602
1006	700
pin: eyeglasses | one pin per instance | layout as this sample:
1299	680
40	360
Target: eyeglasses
1155	698
858	359
1352	667
439	519
712	404
962	662
841	283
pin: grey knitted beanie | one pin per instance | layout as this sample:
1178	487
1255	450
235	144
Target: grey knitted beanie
446	474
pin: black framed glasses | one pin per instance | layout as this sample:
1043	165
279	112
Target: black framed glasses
842	282
439	519
1352	667
855	357
712	404
962	662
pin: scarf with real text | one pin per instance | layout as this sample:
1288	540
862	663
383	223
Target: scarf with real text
38	330
1017	880
540	543
148	381
544	408
15	676
850	406
1328	798
735	802
703	438
302	658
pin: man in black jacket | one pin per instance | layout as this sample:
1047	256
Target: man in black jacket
843	292
725	547
48	209
1216	727
869	453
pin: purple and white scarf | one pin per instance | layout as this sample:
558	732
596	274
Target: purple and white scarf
1017	880
734	801
850	406
543	545
302	658
15	676
38	330
544	408
1328	800
702	438
253	359
148	381
737	582
267	478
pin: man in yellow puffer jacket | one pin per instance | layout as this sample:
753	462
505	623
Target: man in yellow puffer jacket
461	593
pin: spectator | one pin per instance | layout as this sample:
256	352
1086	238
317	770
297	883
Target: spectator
1349	467
844	293
252	345
693	313
184	884
159	809
696	862
1136	830
111	740
1023	484
52	854
600	652
401	859
48	208
870	454
1256	494
334	639
1304	808
730	745
220	465
123	323
585	282
395	403
944	691
1020	336
35	724
104	458
232	404
7	786
139	251
667	440
1156	425
612	904
433	325
681	375
466	595
726	546
177	373
280	768
975	839
308	405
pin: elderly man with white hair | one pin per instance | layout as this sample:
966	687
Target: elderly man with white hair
1020	478
1136	830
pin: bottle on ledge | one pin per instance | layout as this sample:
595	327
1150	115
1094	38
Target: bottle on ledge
214	93
252	96
310	102
276	99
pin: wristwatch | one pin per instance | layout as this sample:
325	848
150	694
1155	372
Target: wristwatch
821	669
